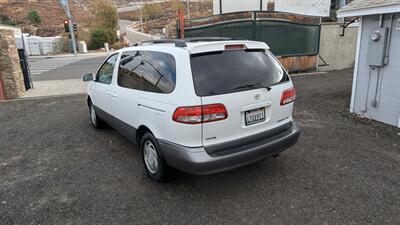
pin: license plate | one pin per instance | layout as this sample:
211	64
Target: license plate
254	116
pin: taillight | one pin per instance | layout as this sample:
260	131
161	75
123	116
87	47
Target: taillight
288	96
214	112
190	115
200	114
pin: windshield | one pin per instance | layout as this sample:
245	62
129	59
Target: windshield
224	72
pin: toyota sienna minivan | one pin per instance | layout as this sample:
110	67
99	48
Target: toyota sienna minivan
200	105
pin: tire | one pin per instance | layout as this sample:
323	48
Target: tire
154	163
94	119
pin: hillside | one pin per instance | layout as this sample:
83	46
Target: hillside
51	13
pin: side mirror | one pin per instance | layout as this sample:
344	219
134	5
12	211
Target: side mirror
87	77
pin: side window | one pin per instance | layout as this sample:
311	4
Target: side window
104	75
147	71
127	74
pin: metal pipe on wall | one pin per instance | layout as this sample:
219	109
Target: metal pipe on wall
386	59
380	24
365	106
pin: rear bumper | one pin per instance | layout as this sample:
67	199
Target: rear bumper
198	161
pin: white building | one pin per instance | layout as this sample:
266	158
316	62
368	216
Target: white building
303	7
376	81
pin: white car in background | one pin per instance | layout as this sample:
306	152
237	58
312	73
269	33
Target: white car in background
201	105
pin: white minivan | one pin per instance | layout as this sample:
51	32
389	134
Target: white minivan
200	105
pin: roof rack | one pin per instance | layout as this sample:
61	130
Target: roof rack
177	42
182	42
197	39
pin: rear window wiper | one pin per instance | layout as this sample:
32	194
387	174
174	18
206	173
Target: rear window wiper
252	86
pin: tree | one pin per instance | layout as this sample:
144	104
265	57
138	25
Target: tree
104	24
34	17
105	15
151	11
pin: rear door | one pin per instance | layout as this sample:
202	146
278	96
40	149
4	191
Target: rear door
249	83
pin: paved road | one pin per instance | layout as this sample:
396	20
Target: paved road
132	36
62	68
56	169
40	66
62	75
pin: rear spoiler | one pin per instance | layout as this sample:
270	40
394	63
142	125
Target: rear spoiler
221	46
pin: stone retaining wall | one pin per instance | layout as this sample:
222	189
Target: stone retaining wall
11	77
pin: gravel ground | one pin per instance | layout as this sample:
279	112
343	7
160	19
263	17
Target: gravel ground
56	169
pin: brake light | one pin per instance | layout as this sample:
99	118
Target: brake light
235	47
200	114
288	96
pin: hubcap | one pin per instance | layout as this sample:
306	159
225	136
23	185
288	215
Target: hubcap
150	157
93	114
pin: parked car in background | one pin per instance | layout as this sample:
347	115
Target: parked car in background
201	105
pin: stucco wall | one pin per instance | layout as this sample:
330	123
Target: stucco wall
387	83
338	51
11	76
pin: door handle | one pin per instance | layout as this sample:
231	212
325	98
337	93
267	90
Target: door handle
107	93
114	94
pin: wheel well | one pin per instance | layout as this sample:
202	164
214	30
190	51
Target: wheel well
89	100
140	132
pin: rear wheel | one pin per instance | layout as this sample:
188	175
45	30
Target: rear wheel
154	163
96	121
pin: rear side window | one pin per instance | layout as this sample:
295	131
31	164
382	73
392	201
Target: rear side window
223	72
147	71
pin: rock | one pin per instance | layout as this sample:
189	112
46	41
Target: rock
11	77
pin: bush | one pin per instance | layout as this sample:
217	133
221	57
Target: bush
34	17
99	36
6	20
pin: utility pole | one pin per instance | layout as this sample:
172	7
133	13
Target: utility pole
188	8
141	15
181	18
64	4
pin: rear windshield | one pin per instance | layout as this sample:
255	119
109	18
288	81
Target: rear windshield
223	72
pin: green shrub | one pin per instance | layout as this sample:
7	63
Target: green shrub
34	17
99	36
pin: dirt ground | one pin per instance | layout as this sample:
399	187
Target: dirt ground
56	169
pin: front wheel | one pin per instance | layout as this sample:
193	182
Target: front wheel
154	163
96	121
